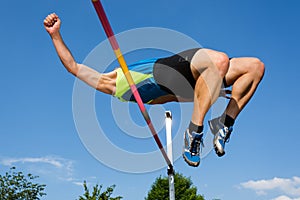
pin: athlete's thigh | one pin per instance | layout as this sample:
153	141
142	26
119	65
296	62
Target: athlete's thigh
205	58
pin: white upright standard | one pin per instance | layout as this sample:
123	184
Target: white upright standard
170	154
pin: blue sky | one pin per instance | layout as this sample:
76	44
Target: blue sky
38	133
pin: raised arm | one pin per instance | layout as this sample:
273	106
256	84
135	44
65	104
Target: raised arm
52	25
102	82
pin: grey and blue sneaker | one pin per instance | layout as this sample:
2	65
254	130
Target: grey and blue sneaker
222	135
193	142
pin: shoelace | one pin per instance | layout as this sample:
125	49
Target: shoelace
227	131
195	145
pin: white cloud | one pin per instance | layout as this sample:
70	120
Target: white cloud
283	197
289	188
47	165
55	161
78	183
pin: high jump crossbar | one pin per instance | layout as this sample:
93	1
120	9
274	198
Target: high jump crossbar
115	46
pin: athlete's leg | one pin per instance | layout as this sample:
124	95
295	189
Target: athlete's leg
209	68
244	75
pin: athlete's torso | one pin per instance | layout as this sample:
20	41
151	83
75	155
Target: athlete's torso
149	90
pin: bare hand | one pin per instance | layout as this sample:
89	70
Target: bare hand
52	23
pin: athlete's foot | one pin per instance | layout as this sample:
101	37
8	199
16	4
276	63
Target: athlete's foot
221	135
193	143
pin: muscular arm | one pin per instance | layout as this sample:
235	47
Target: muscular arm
88	75
64	54
84	73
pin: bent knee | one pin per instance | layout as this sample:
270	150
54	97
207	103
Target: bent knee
258	68
222	63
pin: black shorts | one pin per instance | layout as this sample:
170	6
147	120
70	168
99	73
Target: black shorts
173	74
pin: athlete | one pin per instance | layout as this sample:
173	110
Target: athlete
196	75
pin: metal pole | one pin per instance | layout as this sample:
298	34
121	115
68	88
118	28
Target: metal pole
170	154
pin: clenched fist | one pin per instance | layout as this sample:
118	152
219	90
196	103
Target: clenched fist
52	24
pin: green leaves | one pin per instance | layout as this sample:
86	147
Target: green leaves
184	189
97	194
17	186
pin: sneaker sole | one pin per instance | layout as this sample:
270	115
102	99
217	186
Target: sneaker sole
190	163
220	154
